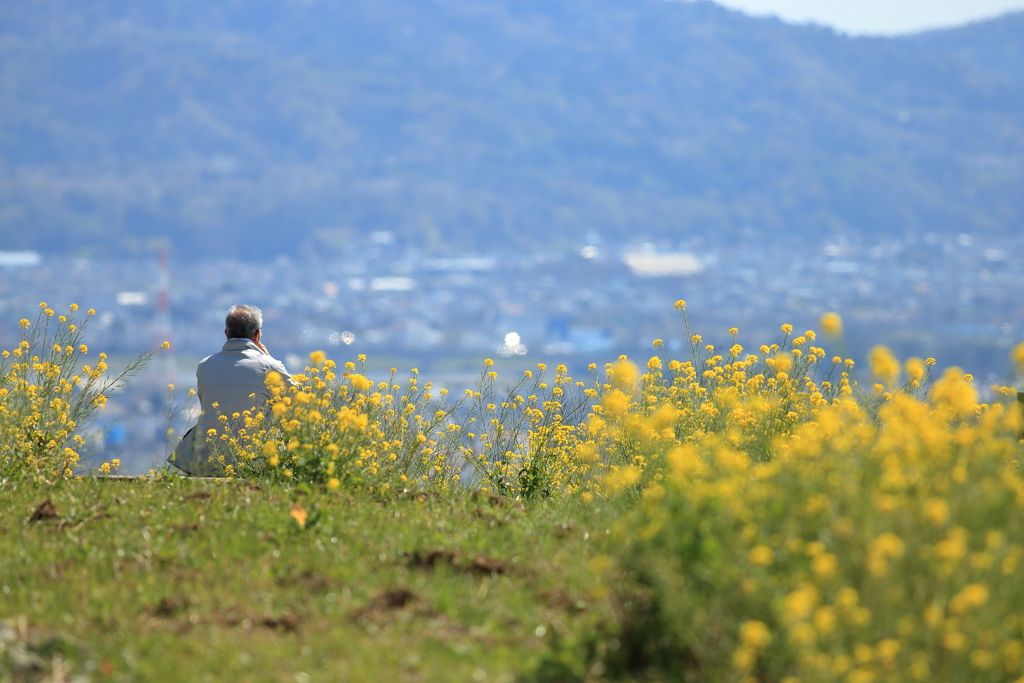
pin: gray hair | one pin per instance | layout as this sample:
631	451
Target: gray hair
243	322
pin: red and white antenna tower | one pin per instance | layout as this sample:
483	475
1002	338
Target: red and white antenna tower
162	326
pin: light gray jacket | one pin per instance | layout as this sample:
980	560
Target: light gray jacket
228	383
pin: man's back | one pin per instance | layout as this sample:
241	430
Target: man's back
235	380
229	383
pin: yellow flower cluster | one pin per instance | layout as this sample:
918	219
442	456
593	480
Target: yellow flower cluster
555	436
880	541
48	393
338	428
531	439
746	400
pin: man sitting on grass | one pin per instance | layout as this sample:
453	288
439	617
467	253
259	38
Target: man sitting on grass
229	383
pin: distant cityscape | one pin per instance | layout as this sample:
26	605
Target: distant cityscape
955	298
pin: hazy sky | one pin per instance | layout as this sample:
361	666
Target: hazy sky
879	16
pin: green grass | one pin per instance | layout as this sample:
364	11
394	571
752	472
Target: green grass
184	580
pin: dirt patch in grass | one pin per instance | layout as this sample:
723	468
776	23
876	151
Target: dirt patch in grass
561	601
169	605
185	527
44	511
387	602
287	623
565	530
496	500
174	610
432	559
309	580
492	519
488	565
429	559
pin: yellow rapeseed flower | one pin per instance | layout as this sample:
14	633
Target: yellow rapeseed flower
972	596
936	511
884	365
755	634
889	544
1017	356
825	565
625	374
359	382
831	324
954	391
622	478
915	368
825	619
799	604
761	556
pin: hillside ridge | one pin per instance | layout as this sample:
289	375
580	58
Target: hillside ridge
462	125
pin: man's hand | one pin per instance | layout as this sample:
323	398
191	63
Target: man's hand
262	347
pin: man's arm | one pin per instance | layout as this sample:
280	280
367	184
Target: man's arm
277	366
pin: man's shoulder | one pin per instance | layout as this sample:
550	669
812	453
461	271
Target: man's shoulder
275	365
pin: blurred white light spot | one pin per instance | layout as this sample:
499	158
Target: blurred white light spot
20	259
356	284
382	237
995	255
341	338
132	298
964	240
392	284
330	289
513	346
646	264
466	264
588	252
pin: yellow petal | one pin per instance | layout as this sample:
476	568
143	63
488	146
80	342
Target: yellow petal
299	514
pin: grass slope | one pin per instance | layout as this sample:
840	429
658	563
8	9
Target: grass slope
179	580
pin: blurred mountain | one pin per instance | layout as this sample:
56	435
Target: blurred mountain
255	127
